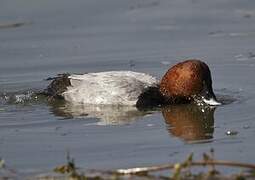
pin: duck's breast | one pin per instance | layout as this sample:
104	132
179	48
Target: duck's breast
113	87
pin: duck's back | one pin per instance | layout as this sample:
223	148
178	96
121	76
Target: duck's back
112	87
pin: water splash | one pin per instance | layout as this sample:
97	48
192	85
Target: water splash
24	97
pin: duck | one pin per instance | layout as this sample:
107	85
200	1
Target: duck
185	82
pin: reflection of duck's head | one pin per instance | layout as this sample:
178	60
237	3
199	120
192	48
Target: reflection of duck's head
189	122
189	80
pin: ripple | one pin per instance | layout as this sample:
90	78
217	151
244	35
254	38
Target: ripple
226	96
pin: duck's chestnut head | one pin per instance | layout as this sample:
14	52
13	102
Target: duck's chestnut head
188	81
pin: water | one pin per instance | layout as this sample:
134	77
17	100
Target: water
145	36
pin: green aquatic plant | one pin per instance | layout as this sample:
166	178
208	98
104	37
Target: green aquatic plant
2	163
178	171
70	169
179	166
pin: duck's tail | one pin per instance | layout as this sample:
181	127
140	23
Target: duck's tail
57	86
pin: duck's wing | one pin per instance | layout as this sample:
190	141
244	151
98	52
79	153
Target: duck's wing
113	87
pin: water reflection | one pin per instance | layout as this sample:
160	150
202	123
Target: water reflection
107	114
190	122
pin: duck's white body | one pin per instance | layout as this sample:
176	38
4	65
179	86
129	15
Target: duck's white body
112	87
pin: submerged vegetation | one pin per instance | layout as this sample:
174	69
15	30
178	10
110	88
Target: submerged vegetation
205	169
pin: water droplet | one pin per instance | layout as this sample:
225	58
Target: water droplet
150	125
246	126
231	132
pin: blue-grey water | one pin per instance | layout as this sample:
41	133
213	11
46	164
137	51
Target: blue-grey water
139	35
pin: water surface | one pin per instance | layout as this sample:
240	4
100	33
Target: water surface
147	36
